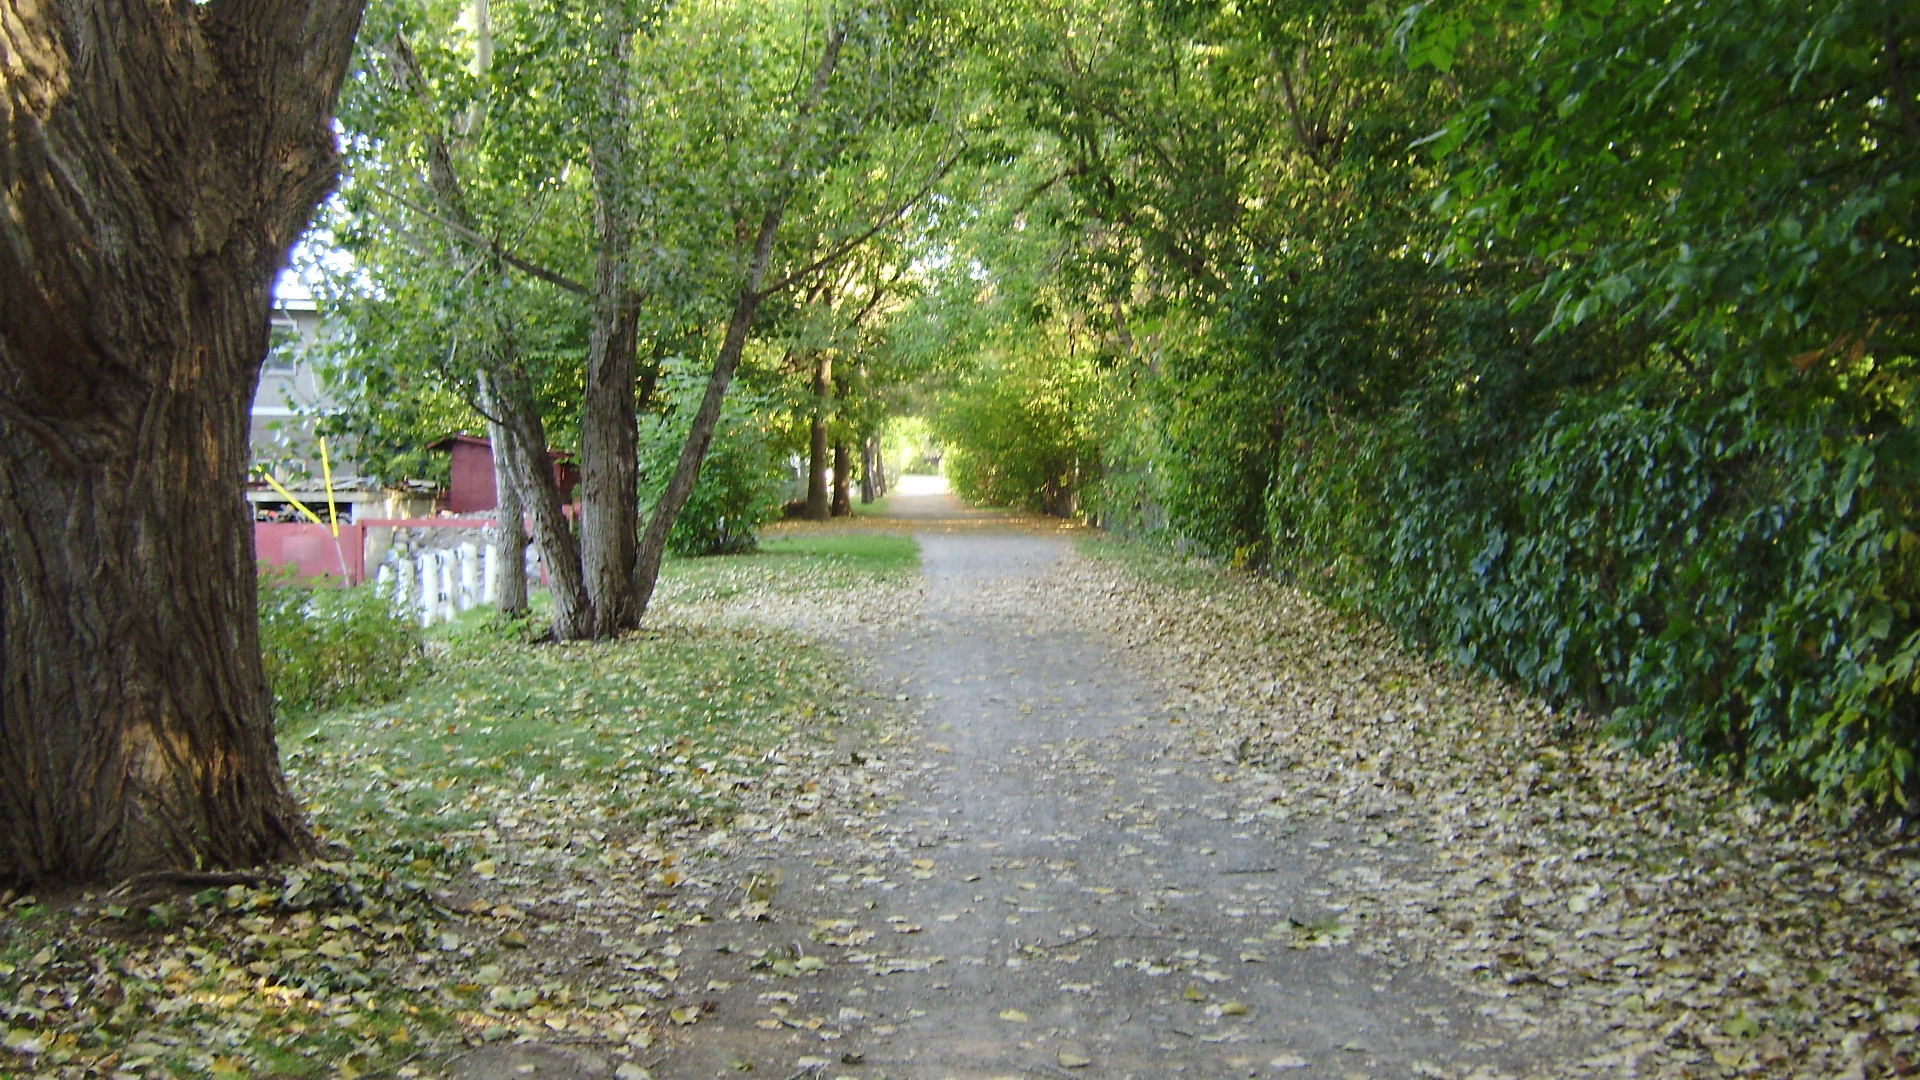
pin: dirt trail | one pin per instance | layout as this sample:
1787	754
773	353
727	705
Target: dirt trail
1040	876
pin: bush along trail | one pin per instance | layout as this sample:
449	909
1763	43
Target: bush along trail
1048	807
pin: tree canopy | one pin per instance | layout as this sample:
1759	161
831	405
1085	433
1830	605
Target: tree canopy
1575	340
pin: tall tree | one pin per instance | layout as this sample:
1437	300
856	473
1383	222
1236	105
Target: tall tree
900	46
158	161
609	469
449	240
570	205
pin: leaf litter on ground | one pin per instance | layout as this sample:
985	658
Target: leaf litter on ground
509	849
1691	926
528	831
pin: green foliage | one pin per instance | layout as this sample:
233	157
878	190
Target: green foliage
329	647
740	482
1467	321
907	446
1607	155
1718	572
1022	434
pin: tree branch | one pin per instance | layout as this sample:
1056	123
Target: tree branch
1902	93
841	250
486	243
1047	185
445	179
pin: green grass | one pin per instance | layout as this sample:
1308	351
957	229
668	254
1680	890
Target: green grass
878	554
547	760
572	732
795	560
1154	564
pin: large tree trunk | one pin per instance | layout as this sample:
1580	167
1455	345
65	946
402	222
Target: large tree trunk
156	163
609	465
819	450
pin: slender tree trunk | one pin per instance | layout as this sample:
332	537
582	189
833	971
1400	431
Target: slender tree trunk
653	542
819	449
842	478
156	162
510	531
869	470
525	447
510	514
609	465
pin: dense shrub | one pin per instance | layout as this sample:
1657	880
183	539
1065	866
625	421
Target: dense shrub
740	481
330	647
1024	434
1734	571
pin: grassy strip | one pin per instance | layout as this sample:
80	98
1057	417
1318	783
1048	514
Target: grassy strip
825	558
515	774
1153	564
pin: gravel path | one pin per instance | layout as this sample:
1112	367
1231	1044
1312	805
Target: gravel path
1155	821
1040	873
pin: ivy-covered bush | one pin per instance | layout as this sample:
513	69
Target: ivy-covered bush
330	647
1724	572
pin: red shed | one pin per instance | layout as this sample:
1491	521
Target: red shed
471	488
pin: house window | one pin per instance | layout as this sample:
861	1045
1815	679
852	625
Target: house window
283	342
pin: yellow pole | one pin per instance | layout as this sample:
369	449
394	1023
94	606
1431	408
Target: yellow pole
289	496
326	470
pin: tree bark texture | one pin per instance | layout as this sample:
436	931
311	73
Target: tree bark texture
510	514
510	531
609	439
157	161
819	450
842	478
525	448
